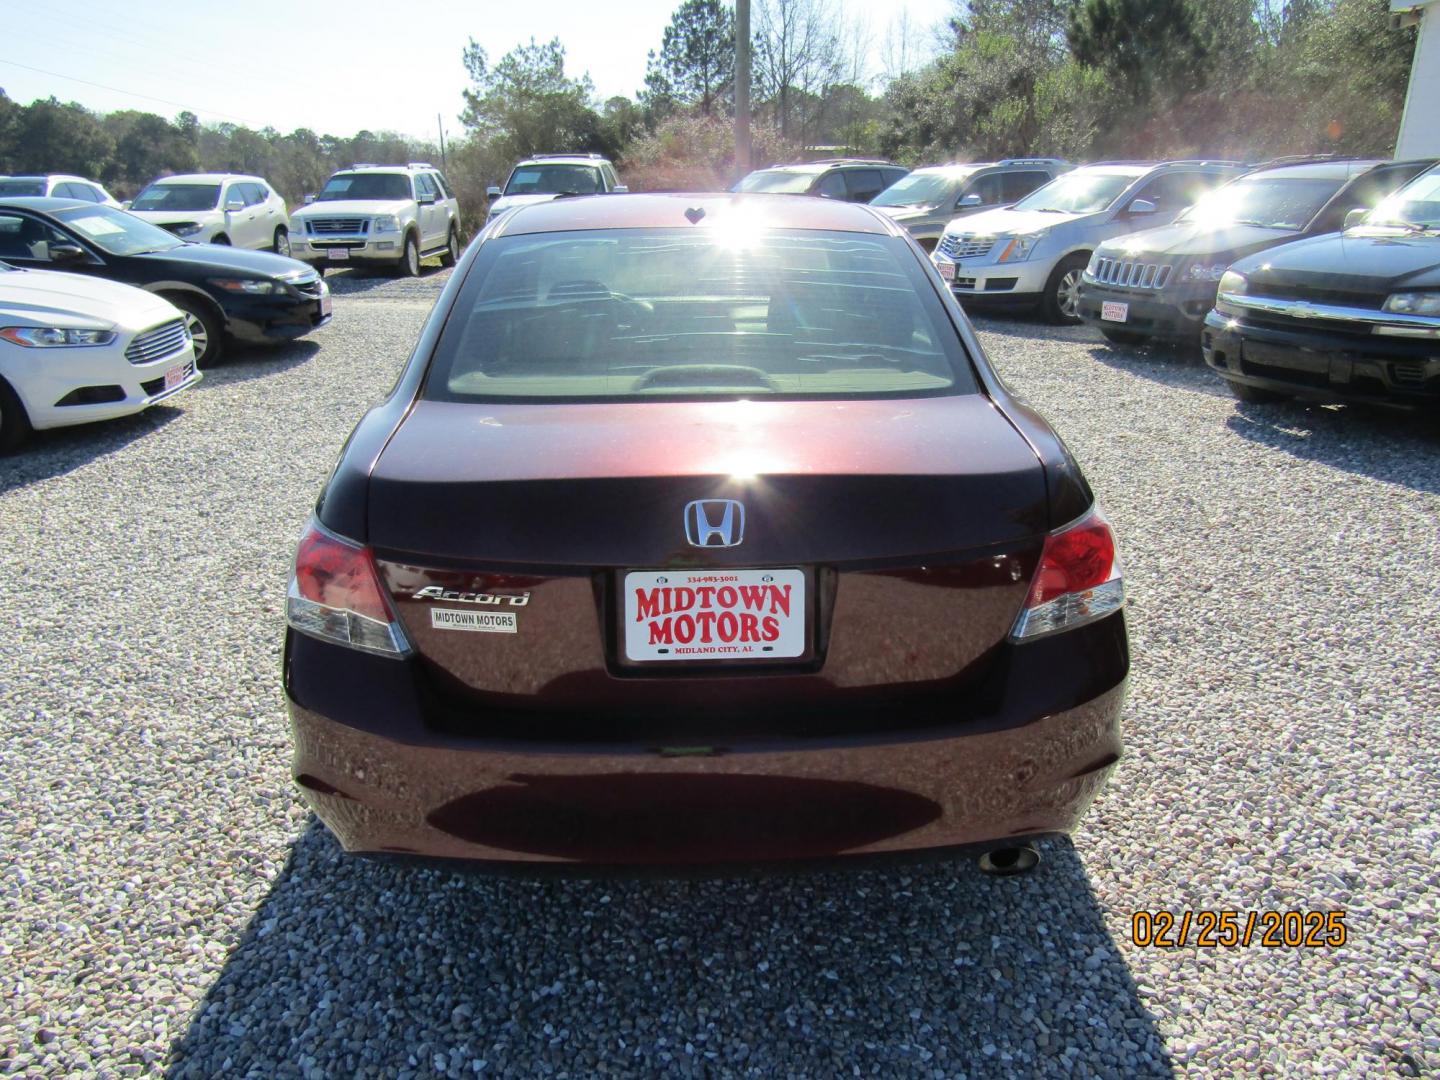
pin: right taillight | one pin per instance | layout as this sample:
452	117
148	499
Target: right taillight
1077	582
336	595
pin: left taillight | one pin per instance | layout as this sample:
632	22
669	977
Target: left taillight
335	595
1077	582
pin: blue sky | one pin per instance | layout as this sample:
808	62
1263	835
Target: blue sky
336	67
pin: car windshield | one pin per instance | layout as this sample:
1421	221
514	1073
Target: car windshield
185	197
1415	206
920	189
1078	193
1272	202
21	187
729	311
553	180
117	232
777	180
365	186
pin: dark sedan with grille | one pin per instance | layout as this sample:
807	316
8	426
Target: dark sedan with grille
699	530
225	292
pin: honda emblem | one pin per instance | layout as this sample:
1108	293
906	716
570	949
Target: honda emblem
715	522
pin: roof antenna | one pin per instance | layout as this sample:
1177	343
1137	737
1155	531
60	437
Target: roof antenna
694	214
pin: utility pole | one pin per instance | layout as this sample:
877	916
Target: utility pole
742	86
440	123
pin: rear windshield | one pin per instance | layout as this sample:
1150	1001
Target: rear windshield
178	197
707	312
365	186
21	187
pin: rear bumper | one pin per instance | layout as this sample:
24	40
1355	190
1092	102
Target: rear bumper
1324	365
386	783
1176	314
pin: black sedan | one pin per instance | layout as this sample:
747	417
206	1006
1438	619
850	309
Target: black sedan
225	292
1353	316
1161	283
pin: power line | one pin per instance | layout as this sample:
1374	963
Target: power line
131	93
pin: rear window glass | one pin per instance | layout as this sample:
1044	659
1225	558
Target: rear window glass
710	312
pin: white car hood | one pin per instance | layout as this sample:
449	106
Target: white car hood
353	208
77	301
169	217
1009	222
509	202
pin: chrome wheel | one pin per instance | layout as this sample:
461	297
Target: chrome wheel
199	335
454	247
1067	296
412	259
282	242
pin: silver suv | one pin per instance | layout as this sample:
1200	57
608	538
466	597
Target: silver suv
931	196
393	215
1034	253
548	176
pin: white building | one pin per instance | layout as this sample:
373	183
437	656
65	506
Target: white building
1420	125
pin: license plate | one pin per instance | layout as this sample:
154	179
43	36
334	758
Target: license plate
691	615
1113	311
337	254
175	376
325	303
947	270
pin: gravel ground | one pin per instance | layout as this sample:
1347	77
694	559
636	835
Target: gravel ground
172	909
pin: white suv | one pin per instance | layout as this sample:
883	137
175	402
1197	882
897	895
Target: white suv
57	186
394	215
217	208
548	176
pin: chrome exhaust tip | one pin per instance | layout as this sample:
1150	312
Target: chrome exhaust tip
1009	861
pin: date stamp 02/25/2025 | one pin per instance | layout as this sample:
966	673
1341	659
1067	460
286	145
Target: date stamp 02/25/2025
1224	929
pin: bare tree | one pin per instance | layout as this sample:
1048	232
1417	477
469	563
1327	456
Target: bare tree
797	56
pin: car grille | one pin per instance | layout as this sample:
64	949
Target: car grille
1409	373
339	225
1339	297
158	341
1131	273
965	245
309	288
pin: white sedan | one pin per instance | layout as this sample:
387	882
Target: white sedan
75	348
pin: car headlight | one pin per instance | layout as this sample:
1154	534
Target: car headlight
1211	272
1019	248
385	223
1413	303
250	286
1233	283
53	337
298	227
186	228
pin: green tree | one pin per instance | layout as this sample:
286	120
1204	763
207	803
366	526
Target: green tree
696	63
525	104
1151	48
61	138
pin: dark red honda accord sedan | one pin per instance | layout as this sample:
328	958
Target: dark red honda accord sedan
698	529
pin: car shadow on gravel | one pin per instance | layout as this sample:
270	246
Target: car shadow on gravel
1179	367
1390	445
359	968
58	451
244	362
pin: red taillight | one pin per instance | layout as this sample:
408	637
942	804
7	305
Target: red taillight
336	595
1079	558
339	574
1077	582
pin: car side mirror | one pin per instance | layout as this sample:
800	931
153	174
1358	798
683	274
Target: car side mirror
125	205
1356	217
309	197
61	253
970	200
1142	206
426	200
492	192
234	203
621	189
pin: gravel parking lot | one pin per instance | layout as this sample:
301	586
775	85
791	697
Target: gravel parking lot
172	909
